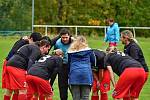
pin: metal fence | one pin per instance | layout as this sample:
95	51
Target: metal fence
77	26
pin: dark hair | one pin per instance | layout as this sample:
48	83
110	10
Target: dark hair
36	36
64	31
109	20
46	38
111	49
43	43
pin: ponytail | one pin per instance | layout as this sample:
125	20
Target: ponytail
134	40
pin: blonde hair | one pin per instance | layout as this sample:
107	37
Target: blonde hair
128	34
79	43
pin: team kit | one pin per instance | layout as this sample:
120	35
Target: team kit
34	62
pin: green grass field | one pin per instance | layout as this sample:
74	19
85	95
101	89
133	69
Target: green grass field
7	42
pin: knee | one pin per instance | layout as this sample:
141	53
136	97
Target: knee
8	92
48	97
23	91
35	95
134	98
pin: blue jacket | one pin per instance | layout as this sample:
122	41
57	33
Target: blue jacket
64	48
80	63
112	34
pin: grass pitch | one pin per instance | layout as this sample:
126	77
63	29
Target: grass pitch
97	42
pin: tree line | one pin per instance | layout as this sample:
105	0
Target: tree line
17	14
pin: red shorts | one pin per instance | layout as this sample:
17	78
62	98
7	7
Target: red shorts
146	77
4	74
112	44
95	86
129	82
104	84
39	85
15	78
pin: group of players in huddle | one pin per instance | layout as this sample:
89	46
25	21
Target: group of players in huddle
29	71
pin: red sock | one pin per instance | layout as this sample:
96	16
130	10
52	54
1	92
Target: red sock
104	96
29	96
95	98
15	97
22	97
41	97
34	98
6	97
126	98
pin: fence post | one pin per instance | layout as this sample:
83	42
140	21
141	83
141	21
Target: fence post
46	30
134	32
32	16
76	30
105	30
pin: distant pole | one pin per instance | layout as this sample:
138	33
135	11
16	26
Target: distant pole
32	15
134	32
76	31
